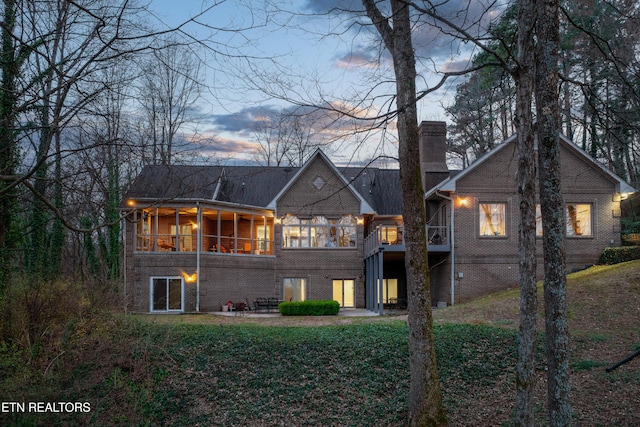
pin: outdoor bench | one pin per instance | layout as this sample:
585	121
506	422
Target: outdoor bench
266	304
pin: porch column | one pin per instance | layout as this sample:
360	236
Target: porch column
380	283
368	274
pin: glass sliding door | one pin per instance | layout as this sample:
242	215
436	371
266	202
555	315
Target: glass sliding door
344	291
167	294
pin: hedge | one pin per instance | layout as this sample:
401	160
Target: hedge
615	255
309	308
629	226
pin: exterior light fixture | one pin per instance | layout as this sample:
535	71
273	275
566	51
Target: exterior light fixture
463	201
190	278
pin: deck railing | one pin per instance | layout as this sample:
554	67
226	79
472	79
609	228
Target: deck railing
437	238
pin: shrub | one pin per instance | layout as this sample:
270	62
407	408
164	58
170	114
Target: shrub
629	226
37	315
615	255
309	308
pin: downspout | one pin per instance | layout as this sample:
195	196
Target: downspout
452	243
198	247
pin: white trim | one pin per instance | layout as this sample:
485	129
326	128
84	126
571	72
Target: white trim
151	310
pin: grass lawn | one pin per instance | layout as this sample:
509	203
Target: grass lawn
189	374
136	372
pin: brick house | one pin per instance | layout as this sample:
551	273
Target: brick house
199	236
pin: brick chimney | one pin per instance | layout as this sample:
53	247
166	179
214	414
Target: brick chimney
433	153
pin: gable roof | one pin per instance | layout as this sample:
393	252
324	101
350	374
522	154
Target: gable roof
449	184
319	155
378	190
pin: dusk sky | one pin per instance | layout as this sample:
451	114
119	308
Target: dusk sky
302	54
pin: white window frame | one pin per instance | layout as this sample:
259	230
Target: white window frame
151	296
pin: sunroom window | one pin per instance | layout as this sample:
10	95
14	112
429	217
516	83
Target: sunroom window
319	232
165	229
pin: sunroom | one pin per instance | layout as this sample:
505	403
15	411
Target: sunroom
204	228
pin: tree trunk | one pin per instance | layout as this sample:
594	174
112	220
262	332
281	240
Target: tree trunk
552	208
526	177
9	70
425	399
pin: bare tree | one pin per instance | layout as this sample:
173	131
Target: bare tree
271	144
170	87
51	59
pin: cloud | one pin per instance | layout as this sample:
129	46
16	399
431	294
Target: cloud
244	120
362	58
431	38
222	146
332	6
457	65
328	117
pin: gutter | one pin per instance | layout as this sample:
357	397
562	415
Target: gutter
452	237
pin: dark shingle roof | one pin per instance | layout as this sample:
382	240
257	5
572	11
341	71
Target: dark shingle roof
379	187
253	185
164	182
256	185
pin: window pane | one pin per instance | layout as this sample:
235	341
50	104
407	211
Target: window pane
143	230
319	232
160	294
538	221
347	231
492	219
294	289
288	289
578	219
344	292
349	293
175	294
390	290
337	291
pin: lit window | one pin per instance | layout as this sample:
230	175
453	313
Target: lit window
390	289
319	232
578	219
492	219
294	289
